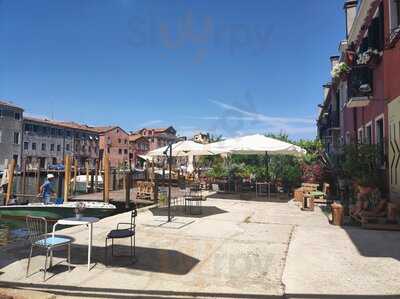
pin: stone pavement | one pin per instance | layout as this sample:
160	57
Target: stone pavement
235	249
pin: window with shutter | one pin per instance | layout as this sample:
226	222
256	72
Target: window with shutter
373	34
398	12
364	45
394	14
381	28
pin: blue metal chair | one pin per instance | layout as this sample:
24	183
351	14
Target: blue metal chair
39	237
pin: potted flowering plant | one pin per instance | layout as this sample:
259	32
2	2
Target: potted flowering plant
340	71
312	172
370	57
79	209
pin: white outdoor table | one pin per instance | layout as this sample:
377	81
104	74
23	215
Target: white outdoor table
88	221
259	188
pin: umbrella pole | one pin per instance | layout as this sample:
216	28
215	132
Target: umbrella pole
169	183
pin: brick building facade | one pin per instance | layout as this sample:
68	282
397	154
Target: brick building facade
115	142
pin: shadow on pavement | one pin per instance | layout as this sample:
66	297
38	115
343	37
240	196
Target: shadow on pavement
375	243
250	196
148	259
179	211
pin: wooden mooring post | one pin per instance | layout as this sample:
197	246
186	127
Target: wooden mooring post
106	189
67	177
128	184
10	187
92	173
37	176
96	178
114	179
75	175
87	175
23	178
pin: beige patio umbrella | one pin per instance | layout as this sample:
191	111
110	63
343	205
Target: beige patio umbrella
182	149
256	144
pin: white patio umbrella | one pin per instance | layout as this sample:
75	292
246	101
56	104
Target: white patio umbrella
256	144
182	149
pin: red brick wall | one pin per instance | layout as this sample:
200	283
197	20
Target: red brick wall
117	142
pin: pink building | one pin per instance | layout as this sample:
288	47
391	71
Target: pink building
139	145
158	137
115	142
365	102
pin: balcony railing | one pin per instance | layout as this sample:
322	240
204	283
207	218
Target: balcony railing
330	120
333	119
359	86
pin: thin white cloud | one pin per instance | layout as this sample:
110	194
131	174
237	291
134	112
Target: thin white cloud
221	117
261	117
275	130
150	123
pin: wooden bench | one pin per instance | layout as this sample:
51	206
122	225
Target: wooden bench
321	197
305	188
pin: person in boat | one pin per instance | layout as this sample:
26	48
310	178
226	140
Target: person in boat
46	190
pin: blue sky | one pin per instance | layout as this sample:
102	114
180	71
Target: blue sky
226	67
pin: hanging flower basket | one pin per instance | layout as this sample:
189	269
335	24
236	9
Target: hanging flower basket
340	71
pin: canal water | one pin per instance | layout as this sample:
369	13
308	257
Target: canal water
11	229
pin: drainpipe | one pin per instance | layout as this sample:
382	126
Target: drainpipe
355	123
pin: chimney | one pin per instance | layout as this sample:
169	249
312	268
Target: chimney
350	10
334	61
326	88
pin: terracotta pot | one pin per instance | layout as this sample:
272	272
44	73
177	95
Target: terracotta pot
337	214
350	57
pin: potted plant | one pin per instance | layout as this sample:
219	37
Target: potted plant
361	166
370	57
351	57
340	71
79	209
365	184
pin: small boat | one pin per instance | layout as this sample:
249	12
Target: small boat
57	211
82	185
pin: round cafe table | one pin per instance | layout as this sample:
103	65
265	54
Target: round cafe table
73	221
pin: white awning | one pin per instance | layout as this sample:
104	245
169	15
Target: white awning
182	149
256	145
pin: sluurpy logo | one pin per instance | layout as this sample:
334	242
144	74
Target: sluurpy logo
198	34
241	117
